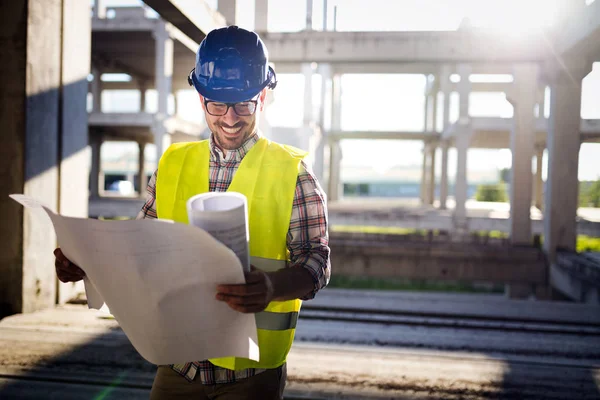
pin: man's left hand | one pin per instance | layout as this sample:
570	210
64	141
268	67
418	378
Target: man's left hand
251	297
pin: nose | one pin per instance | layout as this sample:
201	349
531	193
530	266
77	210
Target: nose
230	117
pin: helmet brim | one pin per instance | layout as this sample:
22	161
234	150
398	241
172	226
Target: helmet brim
233	95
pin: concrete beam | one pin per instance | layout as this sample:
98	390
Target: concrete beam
195	19
421	68
435	47
110	65
485	87
398	135
580	34
120	25
182	38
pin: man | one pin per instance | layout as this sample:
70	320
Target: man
287	213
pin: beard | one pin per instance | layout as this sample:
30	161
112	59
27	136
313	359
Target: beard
231	137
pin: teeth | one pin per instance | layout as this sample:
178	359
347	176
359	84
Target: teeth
230	130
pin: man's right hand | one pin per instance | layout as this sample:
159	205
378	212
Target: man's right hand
65	269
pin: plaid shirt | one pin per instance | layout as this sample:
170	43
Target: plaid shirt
307	240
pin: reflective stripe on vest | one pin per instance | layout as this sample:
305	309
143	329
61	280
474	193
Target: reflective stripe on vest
267	264
267	177
275	321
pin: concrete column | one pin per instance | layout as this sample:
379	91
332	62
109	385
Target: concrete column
431	180
143	87
321	140
541	100
101	181
463	140
538	185
164	73
325	15
42	113
336	103
445	88
424	176
434	103
425	179
306	134
96	144
96	89
100	8
141	177
428	86
562	186
522	141
309	12
307	71
335	192
175	104
261	14
444	176
335	151
228	8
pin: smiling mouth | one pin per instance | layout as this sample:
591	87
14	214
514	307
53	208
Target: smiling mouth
231	130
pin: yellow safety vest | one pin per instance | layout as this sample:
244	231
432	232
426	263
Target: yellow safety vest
267	177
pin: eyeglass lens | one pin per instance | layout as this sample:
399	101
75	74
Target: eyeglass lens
242	109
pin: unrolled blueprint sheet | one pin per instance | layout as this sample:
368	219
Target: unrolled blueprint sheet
159	280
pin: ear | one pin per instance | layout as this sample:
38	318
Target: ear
201	101
262	98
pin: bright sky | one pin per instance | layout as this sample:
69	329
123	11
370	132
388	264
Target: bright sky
396	102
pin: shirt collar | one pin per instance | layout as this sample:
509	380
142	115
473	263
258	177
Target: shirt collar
233	155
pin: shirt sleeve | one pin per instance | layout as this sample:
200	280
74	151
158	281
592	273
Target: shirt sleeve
308	238
149	208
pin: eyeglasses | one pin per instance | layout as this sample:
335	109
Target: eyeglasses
242	109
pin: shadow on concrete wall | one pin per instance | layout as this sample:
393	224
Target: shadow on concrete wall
45	144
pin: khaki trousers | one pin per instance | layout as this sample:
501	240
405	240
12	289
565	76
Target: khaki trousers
267	385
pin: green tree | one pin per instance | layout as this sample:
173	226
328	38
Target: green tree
504	175
492	192
589	194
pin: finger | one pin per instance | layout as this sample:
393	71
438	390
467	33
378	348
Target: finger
243	300
60	269
68	267
59	255
247	289
68	277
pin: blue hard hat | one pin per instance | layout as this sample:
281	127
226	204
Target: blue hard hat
232	66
